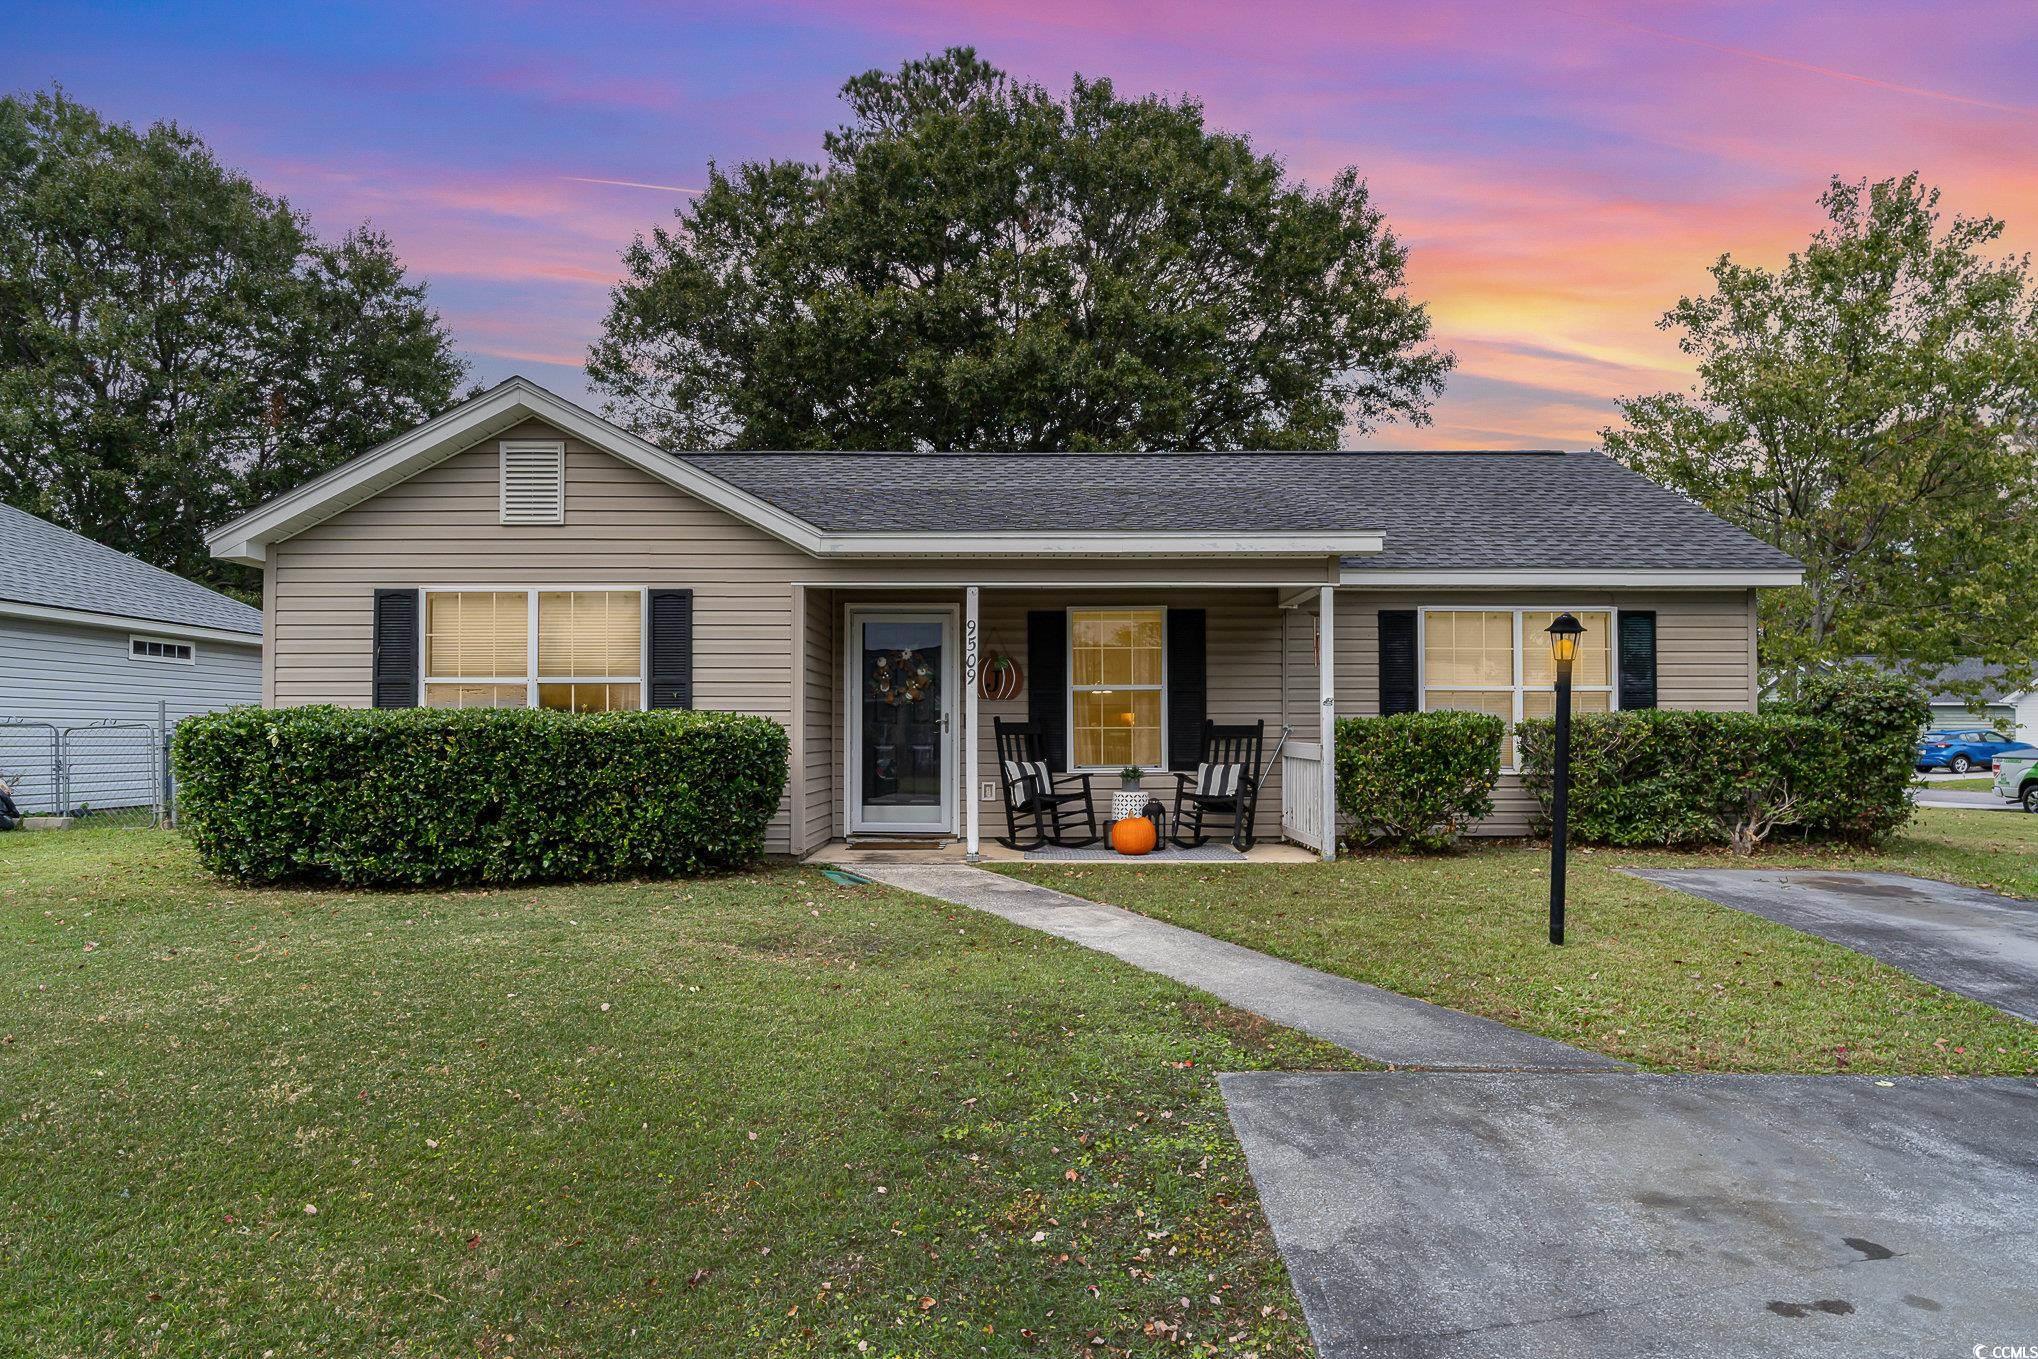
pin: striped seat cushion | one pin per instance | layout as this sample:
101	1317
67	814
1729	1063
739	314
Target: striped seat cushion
1219	780
1029	778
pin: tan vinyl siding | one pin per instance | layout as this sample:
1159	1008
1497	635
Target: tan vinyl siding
1243	660
768	618
442	527
1705	657
818	766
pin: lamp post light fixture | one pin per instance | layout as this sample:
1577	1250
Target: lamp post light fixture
1564	632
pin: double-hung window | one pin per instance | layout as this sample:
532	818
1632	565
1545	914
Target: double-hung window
1498	661
1117	687
581	650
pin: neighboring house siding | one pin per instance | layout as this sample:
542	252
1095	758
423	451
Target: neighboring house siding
70	673
1704	656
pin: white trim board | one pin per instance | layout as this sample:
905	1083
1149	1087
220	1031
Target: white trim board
121	622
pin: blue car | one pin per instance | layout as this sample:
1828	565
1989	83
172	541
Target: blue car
1966	748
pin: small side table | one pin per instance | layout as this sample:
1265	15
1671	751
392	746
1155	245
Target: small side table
1128	802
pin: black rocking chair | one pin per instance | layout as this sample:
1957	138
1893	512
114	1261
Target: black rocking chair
1226	782
1033	791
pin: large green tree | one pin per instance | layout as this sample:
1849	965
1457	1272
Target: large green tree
176	345
1869	408
981	264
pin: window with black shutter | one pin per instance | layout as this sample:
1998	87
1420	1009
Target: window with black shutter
393	681
671	648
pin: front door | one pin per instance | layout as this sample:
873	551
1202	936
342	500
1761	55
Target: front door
901	720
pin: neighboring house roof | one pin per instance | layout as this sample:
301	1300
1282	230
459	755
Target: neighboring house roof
47	568
1461	511
1446	518
1970	671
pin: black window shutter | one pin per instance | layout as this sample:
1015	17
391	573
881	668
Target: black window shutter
1637	654
394	679
1047	684
1397	661
671	649
1188	687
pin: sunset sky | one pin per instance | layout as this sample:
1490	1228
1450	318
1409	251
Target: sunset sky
1560	171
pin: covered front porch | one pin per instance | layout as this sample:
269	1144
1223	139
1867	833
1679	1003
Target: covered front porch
898	688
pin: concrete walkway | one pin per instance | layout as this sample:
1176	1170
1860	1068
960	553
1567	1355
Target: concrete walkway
1367	1020
1976	943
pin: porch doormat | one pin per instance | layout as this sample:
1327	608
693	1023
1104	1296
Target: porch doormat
1104	854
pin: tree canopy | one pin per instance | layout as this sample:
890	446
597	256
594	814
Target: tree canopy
176	345
980	264
1869	408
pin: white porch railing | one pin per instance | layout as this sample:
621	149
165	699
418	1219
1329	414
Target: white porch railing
1302	793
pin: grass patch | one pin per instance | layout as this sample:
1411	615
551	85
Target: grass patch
757	1115
1957	785
1649	975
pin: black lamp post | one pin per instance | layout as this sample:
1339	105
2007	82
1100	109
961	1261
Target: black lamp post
1563	649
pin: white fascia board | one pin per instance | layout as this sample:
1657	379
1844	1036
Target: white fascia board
120	622
965	544
1604	580
516	400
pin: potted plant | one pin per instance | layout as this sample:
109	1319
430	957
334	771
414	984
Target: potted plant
1129	778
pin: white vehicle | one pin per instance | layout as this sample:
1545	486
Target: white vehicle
2017	779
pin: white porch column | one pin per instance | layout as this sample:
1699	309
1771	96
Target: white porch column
1326	694
971	640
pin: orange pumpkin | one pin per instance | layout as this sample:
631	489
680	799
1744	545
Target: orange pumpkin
1133	835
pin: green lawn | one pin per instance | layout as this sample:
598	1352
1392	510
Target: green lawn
759	1115
1958	785
1650	975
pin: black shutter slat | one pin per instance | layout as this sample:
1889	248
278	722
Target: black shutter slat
1397	661
393	679
1188	686
1047	683
671	649
1638	659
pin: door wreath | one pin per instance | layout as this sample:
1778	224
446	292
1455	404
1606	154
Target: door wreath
901	678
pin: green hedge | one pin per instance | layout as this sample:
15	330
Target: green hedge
1416	780
1657	777
1880	716
405	797
1833	763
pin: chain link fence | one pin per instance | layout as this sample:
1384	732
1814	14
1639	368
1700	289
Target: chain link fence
108	772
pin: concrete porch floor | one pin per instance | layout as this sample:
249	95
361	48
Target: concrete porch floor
951	852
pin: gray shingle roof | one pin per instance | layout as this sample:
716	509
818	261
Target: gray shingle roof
1467	511
53	567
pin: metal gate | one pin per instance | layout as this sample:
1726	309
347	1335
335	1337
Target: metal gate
109	772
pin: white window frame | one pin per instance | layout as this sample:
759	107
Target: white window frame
134	639
503	449
530	678
1611	688
1069	682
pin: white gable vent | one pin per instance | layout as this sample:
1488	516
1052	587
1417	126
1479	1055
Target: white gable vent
533	481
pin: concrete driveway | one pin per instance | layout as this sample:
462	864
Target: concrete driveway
1976	943
1575	1216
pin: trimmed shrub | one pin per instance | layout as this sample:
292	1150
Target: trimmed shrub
1657	777
1416	780
1880	715
407	797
